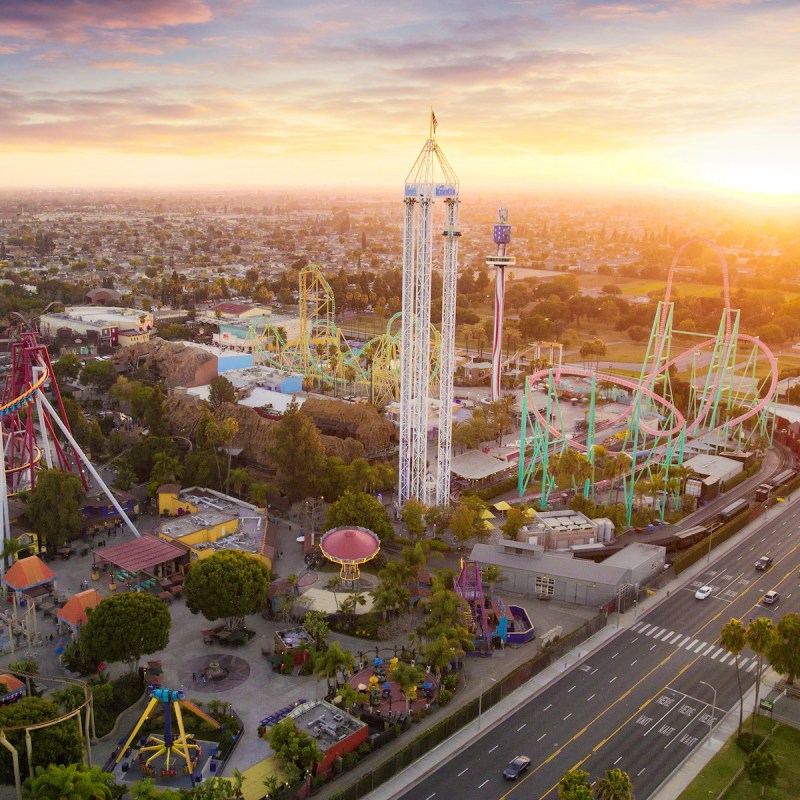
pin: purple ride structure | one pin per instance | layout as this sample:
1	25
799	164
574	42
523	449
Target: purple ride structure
728	407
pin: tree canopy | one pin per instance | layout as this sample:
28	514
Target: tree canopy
59	781
125	627
54	506
101	374
56	744
227	585
784	655
220	391
297	452
293	746
359	508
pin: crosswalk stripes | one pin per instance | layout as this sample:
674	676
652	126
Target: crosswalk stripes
716	653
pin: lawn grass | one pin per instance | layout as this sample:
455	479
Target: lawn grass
784	745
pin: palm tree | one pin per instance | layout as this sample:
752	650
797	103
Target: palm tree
351	603
329	663
331	586
493	574
440	653
761	635
479	332
10	549
239	478
733	638
74	782
614	785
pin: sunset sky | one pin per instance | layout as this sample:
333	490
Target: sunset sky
603	96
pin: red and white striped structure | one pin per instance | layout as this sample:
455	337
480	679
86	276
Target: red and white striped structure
502	236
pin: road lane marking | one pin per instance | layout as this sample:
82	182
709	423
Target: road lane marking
613	679
710	648
548	707
636	626
430	796
640	771
700	647
642	679
675	638
615	655
590	698
686	639
521	726
617	761
634	661
691	644
719	650
643	628
463	771
484	784
568	715
653	647
594	670
570	689
541	737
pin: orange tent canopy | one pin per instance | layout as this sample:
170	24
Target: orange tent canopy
27	573
73	611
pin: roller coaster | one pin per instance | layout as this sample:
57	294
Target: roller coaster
324	355
35	433
728	404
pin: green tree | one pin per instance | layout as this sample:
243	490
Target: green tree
733	638
575	786
614	785
465	521
329	663
413	515
166	469
70	782
125	477
316	623
227	585
239	479
125	627
100	374
514	522
408	677
294	746
784	655
220	391
147	790
493	574
761	636
67	368
359	508
54	506
762	769
351	602
297	453
217	788
441	652
56	744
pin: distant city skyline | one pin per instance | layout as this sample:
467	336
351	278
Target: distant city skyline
580	95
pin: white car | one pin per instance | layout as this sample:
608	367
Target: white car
703	592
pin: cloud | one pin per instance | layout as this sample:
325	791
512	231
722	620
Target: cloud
78	21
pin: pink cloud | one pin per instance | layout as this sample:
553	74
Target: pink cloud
72	21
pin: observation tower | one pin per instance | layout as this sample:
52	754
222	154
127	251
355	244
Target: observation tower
431	178
501	236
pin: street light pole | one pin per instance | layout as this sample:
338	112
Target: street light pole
713	708
480	698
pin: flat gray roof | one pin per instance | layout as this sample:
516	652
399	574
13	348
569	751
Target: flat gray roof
555	565
474	465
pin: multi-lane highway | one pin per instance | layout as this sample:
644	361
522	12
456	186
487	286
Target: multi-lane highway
644	700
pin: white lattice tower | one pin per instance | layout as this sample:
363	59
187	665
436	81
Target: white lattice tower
430	178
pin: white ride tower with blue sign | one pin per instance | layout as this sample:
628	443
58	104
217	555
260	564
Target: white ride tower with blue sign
430	178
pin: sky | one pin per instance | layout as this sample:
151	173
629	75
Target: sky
606	97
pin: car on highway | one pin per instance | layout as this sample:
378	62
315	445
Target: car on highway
703	592
770	598
517	766
763	563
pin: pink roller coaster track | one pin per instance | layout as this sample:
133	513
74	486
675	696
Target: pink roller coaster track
645	386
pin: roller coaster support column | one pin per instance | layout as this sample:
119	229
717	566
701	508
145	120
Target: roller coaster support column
89	466
501	236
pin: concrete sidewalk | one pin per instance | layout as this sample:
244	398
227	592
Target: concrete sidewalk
675	783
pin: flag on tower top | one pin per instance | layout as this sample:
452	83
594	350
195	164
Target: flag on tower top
434	121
